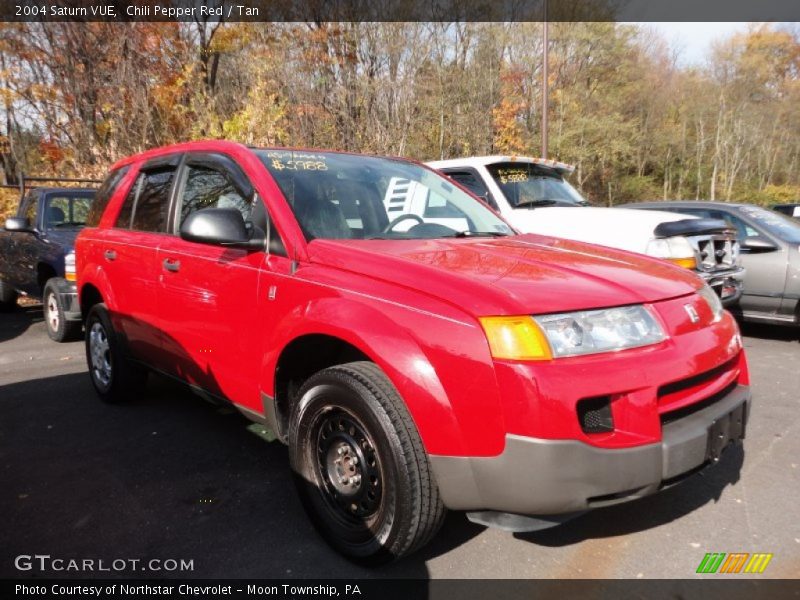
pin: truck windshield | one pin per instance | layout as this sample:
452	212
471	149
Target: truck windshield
347	196
67	209
527	185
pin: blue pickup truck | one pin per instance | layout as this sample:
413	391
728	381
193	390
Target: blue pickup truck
37	255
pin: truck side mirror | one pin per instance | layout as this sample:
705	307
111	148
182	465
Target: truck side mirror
19	224
757	244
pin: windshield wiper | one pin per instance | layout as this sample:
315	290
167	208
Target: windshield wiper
535	203
468	233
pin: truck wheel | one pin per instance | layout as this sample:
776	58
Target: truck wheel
113	376
58	328
359	465
8	297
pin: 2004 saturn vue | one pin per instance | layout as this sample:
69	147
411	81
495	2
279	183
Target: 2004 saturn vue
414	355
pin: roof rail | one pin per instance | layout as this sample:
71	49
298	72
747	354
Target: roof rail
24	179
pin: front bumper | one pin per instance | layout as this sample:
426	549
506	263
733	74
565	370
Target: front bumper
727	284
68	295
541	477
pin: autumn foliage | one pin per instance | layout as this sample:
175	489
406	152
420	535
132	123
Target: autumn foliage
637	122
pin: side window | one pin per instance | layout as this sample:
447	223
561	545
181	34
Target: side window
743	230
152	203
126	211
32	210
103	195
473	183
208	187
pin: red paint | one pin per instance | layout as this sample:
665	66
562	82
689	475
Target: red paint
412	307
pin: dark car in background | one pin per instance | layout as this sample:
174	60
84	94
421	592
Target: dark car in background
770	252
37	255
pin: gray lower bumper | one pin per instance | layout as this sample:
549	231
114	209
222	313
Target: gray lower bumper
68	294
541	477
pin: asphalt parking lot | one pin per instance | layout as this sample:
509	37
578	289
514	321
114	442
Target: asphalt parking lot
173	477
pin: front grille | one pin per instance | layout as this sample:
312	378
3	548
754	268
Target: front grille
715	252
690	382
680	413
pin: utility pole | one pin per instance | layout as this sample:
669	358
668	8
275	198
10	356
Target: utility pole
545	76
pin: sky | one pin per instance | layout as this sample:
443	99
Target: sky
694	39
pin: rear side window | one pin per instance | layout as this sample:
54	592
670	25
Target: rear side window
150	212
145	208
104	194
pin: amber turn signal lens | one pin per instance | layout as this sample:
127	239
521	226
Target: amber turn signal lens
516	338
688	263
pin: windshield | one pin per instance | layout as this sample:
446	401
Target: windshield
527	185
779	225
344	196
67	209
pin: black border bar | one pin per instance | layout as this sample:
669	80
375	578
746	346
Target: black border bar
399	10
708	587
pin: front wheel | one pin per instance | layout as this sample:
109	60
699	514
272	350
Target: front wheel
360	468
58	328
113	376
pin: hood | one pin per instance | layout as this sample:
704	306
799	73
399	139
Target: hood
524	274
624	228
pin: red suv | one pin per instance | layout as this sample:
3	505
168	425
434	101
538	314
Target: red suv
409	347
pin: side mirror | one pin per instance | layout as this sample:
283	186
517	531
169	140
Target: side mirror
21	224
757	244
221	227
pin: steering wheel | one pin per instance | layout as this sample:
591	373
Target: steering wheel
394	222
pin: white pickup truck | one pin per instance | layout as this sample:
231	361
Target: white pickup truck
534	196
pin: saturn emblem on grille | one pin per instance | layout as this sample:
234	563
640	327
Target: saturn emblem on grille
693	316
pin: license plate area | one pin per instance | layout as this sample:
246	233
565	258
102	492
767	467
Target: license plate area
725	430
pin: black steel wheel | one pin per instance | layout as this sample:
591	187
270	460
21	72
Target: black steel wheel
359	465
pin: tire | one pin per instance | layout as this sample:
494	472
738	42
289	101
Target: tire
381	506
114	377
58	328
8	297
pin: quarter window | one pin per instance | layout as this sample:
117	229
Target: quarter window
103	196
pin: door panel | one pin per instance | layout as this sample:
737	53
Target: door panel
208	305
209	295
129	260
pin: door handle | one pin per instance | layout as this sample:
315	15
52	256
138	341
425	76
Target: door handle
172	265
110	255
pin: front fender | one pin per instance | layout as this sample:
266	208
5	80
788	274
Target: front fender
446	380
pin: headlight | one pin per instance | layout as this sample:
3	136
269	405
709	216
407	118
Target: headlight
677	250
713	301
592	331
69	266
571	334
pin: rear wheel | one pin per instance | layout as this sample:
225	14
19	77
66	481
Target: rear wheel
8	297
58	328
113	376
360	468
